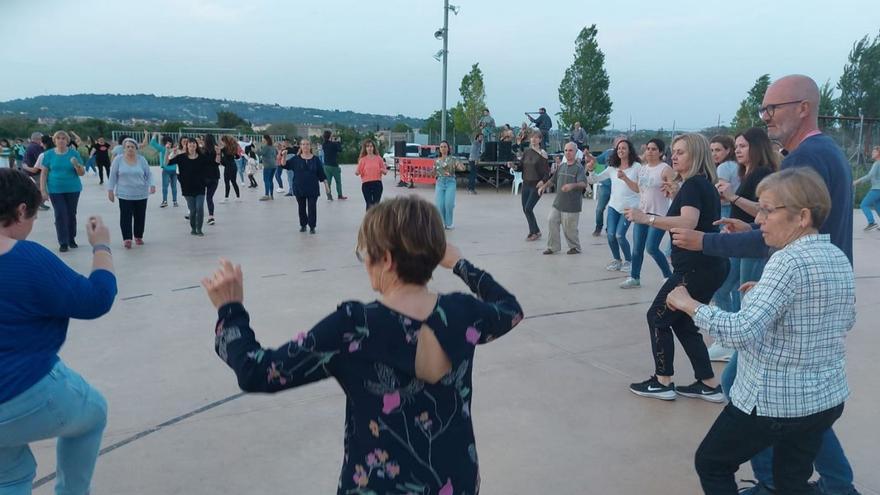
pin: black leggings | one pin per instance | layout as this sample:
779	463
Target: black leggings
229	178
253	180
308	214
209	196
663	322
372	192
132	211
101	168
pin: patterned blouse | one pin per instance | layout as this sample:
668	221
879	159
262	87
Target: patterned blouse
402	435
446	166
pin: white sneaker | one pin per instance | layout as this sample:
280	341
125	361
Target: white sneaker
630	283
224	200
718	353
613	266
625	266
280	190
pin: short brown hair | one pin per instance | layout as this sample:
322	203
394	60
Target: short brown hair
798	188
411	230
16	189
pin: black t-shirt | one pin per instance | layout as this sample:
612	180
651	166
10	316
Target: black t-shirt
331	153
746	190
102	153
698	193
193	173
213	166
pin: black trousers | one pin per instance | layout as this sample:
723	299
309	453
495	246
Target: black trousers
308	212
65	205
736	437
229	178
132	212
209	196
101	167
663	322
372	192
530	198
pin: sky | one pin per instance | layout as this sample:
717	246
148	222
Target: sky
687	65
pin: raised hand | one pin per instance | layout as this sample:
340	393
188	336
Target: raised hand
226	285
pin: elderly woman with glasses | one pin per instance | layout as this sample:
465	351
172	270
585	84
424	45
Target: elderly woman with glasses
404	361
790	333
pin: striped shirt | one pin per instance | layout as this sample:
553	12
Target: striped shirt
790	331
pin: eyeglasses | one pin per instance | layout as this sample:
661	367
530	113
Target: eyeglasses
770	109
767	210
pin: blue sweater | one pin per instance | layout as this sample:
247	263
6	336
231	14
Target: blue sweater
822	154
38	296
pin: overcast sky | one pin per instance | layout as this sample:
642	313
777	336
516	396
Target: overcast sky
688	64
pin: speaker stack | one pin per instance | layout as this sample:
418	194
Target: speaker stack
505	151
490	152
399	149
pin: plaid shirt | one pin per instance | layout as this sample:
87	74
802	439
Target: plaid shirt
790	331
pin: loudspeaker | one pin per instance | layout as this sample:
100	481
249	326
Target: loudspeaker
490	152
399	149
505	151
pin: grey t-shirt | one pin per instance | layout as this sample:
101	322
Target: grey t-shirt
571	201
476	149
268	154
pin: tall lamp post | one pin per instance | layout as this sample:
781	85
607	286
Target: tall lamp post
443	55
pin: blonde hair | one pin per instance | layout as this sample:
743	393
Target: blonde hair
61	133
408	228
701	158
799	188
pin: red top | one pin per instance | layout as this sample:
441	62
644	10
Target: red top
371	167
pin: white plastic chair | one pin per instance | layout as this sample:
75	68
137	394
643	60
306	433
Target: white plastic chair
517	182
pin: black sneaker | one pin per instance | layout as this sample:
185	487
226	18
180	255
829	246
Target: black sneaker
211	221
63	248
302	228
654	389
164	204
699	390
311	231
73	245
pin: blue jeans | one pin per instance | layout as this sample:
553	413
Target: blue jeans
603	194
871	200
90	164
750	269
445	198
727	297
836	475
647	237
268	173
278	171
289	174
169	178
617	227
61	405
240	164
725	211
65	205
472	175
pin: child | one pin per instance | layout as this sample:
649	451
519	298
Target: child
251	167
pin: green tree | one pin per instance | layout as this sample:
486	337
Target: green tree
284	128
231	120
583	92
747	115
432	124
473	101
859	84
400	127
827	101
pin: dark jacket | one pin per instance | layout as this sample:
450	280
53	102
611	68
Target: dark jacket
306	175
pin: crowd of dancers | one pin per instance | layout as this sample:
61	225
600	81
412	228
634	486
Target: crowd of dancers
765	233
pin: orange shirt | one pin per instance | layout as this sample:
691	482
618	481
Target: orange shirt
371	168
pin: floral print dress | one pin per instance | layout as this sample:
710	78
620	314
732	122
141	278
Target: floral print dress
402	435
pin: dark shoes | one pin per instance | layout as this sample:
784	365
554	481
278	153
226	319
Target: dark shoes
312	231
653	389
63	248
548	251
73	245
302	228
573	251
699	390
597	232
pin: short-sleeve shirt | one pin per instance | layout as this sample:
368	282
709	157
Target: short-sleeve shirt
102	153
62	175
699	193
747	189
571	201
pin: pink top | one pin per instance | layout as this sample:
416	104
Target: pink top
371	168
651	198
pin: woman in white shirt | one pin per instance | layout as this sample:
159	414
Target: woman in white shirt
625	162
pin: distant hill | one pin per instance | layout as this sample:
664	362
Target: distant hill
188	109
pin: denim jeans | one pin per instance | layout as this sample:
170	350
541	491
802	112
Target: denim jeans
445	198
530	198
648	238
871	200
169	178
277	171
61	405
268	173
289	174
617	227
65	205
727	297
196	205
240	165
472	175
836	475
603	195
736	436
725	211
750	269
90	164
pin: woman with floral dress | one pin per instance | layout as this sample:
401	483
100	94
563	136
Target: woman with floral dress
404	361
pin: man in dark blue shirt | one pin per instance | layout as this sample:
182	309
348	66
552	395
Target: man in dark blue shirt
29	162
791	111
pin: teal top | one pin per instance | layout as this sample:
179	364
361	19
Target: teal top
873	174
62	177
154	143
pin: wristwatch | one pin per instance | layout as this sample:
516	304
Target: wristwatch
101	247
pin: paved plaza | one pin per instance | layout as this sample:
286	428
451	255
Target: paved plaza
552	410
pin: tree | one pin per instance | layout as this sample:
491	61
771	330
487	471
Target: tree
473	101
400	127
231	120
432	124
859	84
827	102
583	92
747	115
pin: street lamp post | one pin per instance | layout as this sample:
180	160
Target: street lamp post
443	34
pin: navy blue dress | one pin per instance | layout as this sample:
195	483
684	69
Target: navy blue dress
307	174
402	435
